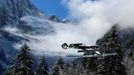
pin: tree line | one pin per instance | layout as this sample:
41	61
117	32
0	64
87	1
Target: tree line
23	64
111	65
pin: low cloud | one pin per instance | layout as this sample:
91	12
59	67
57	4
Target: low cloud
94	19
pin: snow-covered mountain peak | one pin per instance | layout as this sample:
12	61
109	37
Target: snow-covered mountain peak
12	10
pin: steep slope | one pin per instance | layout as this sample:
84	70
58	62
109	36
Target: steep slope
18	20
12	10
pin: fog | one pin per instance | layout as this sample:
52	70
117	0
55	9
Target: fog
94	19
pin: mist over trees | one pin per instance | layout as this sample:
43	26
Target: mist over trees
24	63
112	65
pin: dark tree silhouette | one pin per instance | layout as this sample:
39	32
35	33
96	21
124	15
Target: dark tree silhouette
112	65
58	66
42	68
22	64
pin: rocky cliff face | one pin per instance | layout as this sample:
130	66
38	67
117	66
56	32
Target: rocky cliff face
12	10
11	14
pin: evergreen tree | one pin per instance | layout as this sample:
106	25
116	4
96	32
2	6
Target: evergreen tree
42	68
56	70
22	64
60	63
92	64
112	65
58	67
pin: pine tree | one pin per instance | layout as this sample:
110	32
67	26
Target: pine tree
92	64
112	65
22	64
56	70
42	68
60	63
58	67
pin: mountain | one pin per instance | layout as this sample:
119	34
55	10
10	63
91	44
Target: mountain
54	18
12	10
18	20
21	21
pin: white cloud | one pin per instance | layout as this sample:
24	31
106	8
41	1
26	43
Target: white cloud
120	11
95	19
110	11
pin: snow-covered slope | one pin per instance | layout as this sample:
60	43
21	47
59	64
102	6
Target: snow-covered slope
21	22
12	10
18	20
